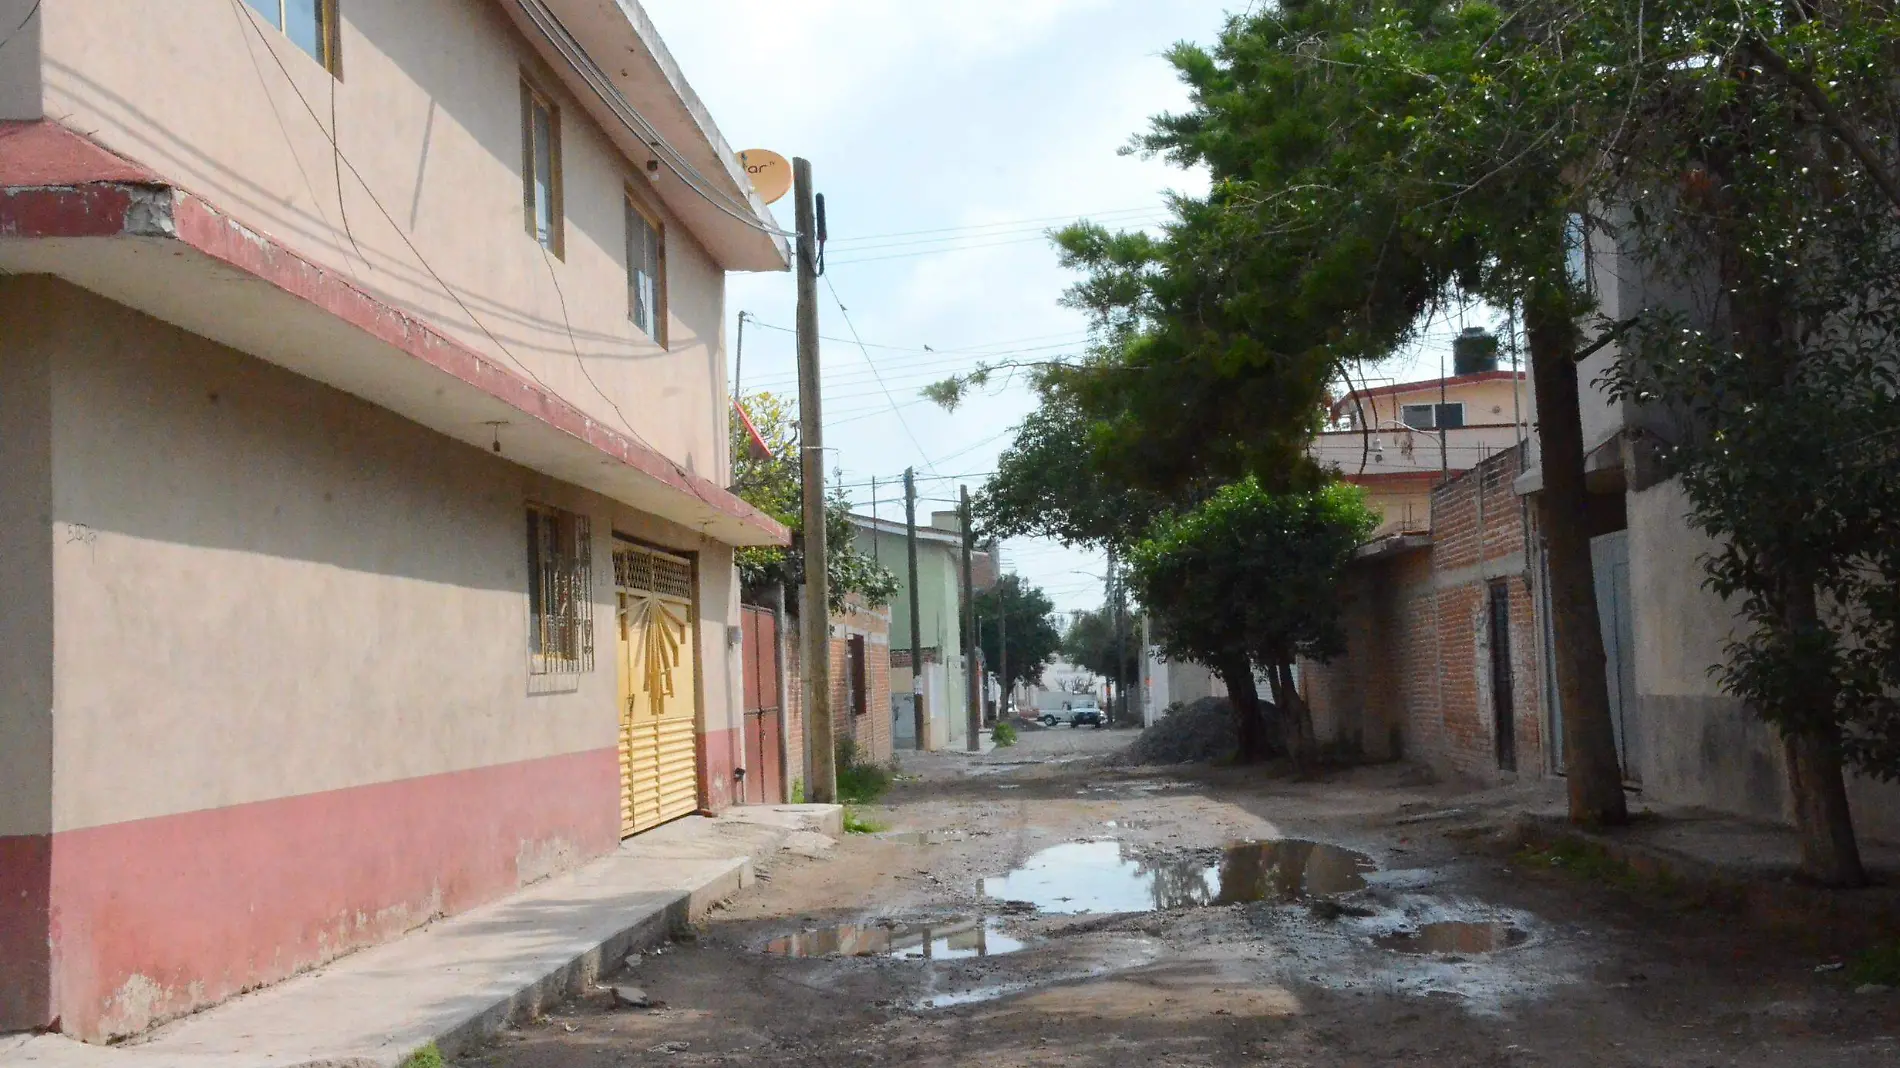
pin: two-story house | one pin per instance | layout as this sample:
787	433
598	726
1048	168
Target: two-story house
364	552
940	670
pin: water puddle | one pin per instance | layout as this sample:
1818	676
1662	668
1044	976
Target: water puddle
950	940
1454	936
1093	877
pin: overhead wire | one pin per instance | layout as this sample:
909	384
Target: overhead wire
845	314
250	18
616	102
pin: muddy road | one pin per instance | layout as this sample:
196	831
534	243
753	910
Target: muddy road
1039	905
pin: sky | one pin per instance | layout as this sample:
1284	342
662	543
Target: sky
946	136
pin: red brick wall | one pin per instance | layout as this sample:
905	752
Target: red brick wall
1416	678
872	731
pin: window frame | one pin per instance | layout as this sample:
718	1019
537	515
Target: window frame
533	96
635	209
329	30
1435	409
560	641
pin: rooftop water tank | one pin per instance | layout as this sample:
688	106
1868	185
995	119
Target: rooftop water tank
1474	351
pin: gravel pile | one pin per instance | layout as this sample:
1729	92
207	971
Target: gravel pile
1189	734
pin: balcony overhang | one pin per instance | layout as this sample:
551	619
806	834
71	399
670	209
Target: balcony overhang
71	209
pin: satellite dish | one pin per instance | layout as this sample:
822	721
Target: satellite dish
771	175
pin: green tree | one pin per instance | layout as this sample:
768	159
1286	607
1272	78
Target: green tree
1370	160
1760	195
1251	577
773	484
1089	642
1030	626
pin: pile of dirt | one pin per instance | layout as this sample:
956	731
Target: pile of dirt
1193	733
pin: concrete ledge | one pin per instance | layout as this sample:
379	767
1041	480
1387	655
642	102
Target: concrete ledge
459	981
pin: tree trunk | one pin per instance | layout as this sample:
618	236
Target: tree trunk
1595	777
1245	698
1296	720
1829	853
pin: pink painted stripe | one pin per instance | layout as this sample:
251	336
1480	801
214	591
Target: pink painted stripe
157	917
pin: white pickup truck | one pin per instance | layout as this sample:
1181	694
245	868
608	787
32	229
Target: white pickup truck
1076	711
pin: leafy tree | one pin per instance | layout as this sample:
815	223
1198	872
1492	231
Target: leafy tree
774	485
1251	577
1369	160
1089	642
1762	202
1047	485
1033	638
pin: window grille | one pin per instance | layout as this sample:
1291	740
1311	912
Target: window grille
560	592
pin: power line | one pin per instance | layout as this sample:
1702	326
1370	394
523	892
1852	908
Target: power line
937	251
1153	208
979	349
846	316
990	232
250	18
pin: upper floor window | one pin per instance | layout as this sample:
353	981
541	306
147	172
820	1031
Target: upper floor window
541	167
646	272
310	24
1432	416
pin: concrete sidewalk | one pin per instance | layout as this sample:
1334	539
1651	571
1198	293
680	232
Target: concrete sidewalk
458	980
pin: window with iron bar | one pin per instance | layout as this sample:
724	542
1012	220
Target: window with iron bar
560	592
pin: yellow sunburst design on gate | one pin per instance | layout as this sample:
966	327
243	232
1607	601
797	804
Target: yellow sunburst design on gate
659	701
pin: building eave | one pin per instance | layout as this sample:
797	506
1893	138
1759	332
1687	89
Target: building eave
615	37
71	209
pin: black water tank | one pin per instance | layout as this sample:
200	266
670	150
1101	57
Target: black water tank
1474	351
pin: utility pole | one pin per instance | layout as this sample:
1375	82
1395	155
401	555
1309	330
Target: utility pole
738	358
1121	653
919	714
823	787
973	703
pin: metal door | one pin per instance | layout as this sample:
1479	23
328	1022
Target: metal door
1610	565
659	701
765	774
1610	571
1503	703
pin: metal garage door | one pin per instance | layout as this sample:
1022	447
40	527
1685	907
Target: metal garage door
659	703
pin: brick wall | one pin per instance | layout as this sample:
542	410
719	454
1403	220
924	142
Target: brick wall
872	730
1416	679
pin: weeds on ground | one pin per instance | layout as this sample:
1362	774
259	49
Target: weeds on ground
856	824
426	1057
1592	863
860	781
1880	965
798	791
1003	734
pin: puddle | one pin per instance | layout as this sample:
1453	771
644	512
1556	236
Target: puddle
1087	877
950	940
1454	936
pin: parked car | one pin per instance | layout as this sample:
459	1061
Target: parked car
1081	713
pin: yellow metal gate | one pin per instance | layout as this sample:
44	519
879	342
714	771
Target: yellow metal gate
659	767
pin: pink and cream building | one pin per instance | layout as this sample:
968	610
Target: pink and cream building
363	544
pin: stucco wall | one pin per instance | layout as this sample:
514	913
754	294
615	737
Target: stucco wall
1486	401
428	111
294	707
26	665
1698	745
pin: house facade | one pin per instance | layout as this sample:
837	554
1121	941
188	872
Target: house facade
365	550
1386	439
944	676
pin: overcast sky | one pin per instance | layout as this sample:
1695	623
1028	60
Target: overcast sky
946	136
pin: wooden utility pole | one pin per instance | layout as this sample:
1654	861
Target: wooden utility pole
919	714
816	624
973	703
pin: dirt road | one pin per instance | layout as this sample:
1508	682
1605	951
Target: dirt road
1037	906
